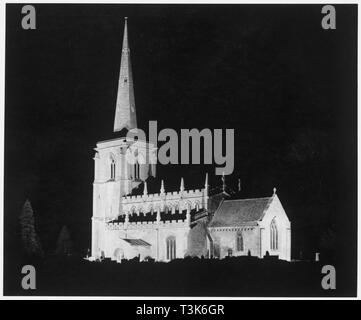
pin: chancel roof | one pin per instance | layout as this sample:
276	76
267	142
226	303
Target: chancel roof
240	212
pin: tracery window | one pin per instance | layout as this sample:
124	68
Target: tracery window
240	244
274	235
171	248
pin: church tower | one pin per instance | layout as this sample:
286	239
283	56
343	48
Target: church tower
120	163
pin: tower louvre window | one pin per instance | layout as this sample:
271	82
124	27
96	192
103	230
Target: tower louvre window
112	170
136	171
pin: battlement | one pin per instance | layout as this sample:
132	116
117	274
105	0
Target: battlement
181	223
176	201
172	194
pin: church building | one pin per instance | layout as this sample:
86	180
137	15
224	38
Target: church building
167	225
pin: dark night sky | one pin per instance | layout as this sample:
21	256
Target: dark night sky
285	85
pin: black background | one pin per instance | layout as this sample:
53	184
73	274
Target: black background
287	87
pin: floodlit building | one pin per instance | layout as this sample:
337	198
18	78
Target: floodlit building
127	223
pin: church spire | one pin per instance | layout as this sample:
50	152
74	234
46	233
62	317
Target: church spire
223	182
206	182
182	185
125	116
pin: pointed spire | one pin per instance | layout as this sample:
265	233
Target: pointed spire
223	182
206	186
206	182
188	218
126	219
158	215
125	47
162	187
182	185
125	115
145	190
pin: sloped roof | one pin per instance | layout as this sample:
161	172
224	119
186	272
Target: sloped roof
137	242
240	212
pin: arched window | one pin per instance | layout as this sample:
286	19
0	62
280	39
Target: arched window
171	248
112	170
274	235
240	245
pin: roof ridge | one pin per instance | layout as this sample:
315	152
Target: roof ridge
247	199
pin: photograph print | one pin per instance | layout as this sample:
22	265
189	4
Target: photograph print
185	150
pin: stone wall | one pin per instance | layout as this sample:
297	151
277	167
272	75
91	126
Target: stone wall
225	239
153	233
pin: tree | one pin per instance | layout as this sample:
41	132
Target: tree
30	240
64	243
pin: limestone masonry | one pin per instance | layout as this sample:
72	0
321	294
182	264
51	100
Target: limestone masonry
169	225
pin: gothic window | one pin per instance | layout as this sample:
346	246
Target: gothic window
112	170
171	248
240	245
274	235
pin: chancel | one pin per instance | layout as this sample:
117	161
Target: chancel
170	225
